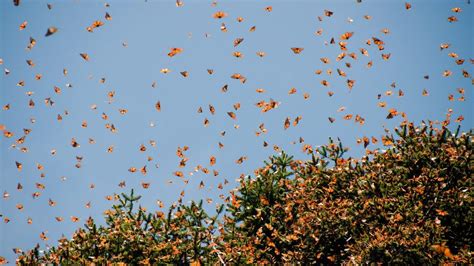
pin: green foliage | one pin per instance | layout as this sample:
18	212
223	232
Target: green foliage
133	236
409	204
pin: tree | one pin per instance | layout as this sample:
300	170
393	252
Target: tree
411	203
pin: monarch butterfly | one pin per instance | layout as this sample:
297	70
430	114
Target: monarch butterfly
97	24
328	13
297	120
212	109
456	9
452	19
174	51
392	113
51	31
143	170
377	41
342	46
238	41
19	166
74	143
223	27
297	50
347	35
85	56
325	60
237	54
386	56
23	25
241	160
287	123
219	15
341	73
442	249
232	115
350	83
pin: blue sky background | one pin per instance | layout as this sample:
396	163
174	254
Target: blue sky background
150	29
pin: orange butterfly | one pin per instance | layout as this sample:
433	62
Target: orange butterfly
174	51
23	25
85	56
347	35
297	50
219	15
51	31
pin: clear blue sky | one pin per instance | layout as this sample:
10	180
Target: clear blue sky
150	29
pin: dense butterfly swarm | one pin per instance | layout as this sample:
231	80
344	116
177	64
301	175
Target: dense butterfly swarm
410	202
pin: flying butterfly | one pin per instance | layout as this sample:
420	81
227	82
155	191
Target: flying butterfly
85	56
297	50
219	15
174	51
51	31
